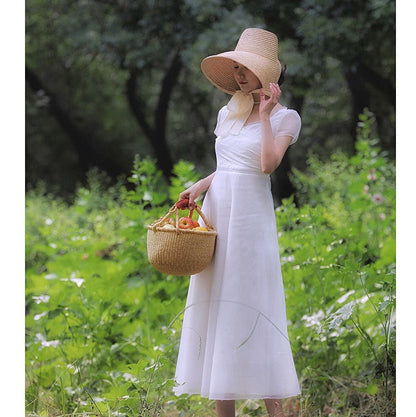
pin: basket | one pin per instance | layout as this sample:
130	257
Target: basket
180	251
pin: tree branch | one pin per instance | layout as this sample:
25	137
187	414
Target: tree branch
156	134
135	105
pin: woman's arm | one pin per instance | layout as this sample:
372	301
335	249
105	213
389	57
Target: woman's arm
272	150
196	189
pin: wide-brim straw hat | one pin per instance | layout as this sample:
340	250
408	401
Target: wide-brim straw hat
257	49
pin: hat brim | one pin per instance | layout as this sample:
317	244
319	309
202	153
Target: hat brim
219	70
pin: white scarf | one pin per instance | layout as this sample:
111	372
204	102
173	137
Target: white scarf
239	108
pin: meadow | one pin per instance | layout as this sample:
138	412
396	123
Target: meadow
102	326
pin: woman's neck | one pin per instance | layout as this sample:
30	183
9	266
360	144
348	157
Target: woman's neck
256	97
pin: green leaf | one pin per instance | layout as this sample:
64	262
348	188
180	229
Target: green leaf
372	389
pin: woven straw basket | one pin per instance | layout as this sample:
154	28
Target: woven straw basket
180	251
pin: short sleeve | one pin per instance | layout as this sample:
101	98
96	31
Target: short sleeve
288	125
220	118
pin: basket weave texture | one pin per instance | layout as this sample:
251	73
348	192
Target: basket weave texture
180	251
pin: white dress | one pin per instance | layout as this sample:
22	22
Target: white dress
234	342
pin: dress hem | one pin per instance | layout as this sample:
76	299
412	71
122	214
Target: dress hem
240	396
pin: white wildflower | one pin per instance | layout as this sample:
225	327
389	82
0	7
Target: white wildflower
377	199
345	296
129	377
46	343
147	196
51	276
314	319
44	298
289	258
76	280
39	316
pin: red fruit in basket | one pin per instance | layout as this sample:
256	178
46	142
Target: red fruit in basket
186	223
182	204
196	224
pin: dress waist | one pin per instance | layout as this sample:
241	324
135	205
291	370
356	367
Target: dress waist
241	170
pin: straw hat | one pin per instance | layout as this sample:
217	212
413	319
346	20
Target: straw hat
257	50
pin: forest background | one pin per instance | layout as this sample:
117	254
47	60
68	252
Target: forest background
91	64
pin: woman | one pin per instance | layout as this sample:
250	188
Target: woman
234	342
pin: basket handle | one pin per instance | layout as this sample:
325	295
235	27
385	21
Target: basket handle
199	211
160	221
184	204
181	205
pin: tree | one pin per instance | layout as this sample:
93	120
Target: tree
125	76
359	34
143	41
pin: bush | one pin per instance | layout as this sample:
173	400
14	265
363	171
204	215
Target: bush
338	255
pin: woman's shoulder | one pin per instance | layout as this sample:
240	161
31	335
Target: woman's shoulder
223	110
286	117
222	113
286	112
287	122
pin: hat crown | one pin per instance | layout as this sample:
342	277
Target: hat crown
260	42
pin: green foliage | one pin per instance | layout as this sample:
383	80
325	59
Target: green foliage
338	255
184	177
103	326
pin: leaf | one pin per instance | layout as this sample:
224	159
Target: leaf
118	391
372	389
388	253
341	315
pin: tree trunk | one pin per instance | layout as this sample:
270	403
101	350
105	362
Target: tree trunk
156	131
383	85
360	97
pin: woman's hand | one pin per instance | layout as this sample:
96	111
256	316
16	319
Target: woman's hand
266	106
194	191
191	194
